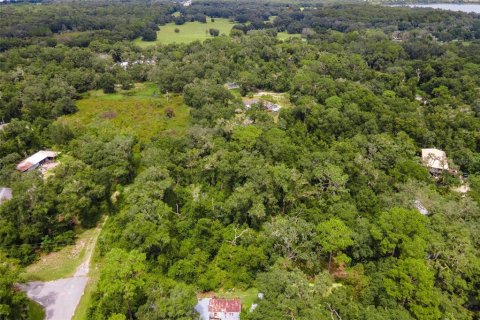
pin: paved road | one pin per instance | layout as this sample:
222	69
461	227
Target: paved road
61	297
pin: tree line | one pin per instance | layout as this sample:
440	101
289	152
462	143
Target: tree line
317	208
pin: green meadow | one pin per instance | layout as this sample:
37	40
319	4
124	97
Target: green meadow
139	112
189	32
284	35
193	31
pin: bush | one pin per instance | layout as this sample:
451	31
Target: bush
149	35
214	32
169	112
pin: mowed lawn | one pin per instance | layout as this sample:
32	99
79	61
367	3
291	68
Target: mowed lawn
139	112
189	32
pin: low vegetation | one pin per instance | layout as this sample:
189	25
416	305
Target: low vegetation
62	263
36	311
142	112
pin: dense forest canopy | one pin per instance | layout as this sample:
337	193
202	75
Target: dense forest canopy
318	207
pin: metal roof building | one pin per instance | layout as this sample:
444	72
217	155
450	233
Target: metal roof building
219	309
435	159
36	160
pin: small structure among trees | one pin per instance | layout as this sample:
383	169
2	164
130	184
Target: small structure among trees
39	159
5	194
267	105
219	309
224	309
232	85
435	160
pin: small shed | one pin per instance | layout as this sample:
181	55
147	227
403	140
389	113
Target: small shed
435	159
5	194
36	160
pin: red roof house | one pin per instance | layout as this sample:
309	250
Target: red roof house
224	309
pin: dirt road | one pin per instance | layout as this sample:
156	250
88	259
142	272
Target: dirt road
61	297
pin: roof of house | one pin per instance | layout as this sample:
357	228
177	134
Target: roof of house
5	194
420	207
435	158
250	101
35	159
232	85
224	305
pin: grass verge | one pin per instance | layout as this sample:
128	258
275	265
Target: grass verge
35	311
60	264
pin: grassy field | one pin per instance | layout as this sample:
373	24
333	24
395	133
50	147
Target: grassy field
139	112
192	31
60	264
284	36
189	32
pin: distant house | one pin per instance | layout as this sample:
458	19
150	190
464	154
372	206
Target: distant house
219	309
224	309
248	103
399	36
267	105
232	85
273	107
5	194
420	207
434	159
421	99
37	160
127	64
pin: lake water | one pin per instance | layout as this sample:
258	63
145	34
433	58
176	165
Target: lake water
449	6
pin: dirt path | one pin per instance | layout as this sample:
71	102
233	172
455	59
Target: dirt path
61	297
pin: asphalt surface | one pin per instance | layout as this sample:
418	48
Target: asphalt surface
60	297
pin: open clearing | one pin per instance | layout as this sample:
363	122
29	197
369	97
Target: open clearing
138	112
193	31
189	32
284	35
